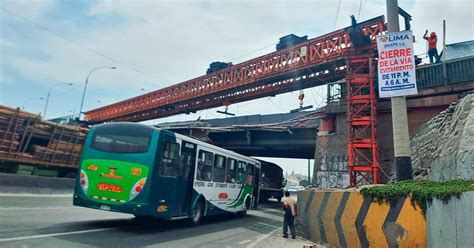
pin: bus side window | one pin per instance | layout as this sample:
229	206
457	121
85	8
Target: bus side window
231	169
205	163
249	179
170	158
218	174
241	172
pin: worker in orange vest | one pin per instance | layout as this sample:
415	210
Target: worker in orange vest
432	51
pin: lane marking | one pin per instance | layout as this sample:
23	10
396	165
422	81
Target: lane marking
256	242
245	241
37	195
273	210
34	208
56	234
259	236
265	224
265	215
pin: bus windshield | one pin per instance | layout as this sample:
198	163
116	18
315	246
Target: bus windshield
121	138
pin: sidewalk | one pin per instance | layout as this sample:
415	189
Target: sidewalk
275	240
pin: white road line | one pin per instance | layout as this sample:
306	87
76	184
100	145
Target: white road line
35	208
245	241
256	242
259	236
55	234
37	195
265	224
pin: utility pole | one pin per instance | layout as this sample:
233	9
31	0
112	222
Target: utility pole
401	139
309	170
445	73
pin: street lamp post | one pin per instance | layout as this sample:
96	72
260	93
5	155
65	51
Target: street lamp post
49	94
29	99
87	81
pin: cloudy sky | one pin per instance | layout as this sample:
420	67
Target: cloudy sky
155	44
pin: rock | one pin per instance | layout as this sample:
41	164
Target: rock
443	149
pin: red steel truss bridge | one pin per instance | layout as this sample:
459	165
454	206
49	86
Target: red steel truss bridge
315	62
345	53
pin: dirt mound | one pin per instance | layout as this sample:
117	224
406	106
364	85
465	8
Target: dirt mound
443	149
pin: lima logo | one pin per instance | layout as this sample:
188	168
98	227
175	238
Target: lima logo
399	37
383	39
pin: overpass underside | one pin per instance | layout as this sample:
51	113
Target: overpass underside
291	135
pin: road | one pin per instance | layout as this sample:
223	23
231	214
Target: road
52	221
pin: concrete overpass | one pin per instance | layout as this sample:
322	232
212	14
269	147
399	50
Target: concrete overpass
289	135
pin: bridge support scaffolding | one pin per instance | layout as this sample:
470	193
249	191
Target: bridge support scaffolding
363	161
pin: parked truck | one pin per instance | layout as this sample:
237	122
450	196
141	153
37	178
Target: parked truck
271	182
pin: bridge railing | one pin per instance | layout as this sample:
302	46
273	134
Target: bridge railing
457	71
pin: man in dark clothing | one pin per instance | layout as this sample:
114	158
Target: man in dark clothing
432	51
289	206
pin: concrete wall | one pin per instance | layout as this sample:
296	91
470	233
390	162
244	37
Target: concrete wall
347	219
452	224
330	164
331	158
12	183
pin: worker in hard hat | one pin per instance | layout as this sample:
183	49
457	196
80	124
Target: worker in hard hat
432	51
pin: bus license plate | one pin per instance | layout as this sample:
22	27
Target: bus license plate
105	207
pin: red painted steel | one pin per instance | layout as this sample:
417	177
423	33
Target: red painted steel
361	116
308	64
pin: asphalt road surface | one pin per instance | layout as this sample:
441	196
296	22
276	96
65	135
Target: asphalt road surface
52	221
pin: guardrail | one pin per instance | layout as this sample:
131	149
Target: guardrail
457	71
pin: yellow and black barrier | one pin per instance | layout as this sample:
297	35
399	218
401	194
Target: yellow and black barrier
348	219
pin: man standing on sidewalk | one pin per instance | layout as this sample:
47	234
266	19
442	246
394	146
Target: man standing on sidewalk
289	206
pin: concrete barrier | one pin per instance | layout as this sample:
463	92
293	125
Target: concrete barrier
348	219
12	183
451	224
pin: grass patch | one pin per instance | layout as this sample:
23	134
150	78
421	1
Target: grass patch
420	192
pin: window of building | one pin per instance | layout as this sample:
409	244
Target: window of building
231	170
205	163
218	175
170	159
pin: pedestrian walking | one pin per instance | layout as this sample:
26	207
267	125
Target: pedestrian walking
289	206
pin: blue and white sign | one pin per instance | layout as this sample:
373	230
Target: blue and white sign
396	65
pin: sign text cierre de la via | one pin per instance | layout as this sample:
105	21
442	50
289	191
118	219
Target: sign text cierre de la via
396	65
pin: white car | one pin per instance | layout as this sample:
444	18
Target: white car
295	188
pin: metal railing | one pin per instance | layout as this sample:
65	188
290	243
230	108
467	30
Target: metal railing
457	71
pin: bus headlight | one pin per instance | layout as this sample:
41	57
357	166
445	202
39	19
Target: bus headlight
137	188
84	181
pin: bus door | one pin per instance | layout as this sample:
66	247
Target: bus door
184	187
256	186
169	174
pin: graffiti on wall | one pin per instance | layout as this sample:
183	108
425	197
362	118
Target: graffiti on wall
333	173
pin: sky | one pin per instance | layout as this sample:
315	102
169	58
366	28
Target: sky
154	44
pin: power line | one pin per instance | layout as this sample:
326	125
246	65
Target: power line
360	8
46	29
254	51
337	14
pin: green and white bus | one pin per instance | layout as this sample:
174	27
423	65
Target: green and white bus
138	169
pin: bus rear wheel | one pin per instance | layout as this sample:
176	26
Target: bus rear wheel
197	213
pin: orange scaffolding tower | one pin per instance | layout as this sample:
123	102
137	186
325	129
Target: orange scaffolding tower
361	116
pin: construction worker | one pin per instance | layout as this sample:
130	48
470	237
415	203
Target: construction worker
432	51
289	206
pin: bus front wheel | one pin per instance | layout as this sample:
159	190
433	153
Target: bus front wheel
197	213
246	207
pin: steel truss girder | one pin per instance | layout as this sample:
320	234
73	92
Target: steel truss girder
278	72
